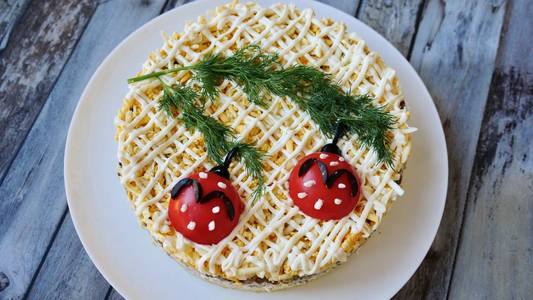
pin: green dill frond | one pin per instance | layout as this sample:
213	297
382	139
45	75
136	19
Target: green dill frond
252	159
216	135
175	98
371	124
209	80
296	82
311	89
248	67
183	98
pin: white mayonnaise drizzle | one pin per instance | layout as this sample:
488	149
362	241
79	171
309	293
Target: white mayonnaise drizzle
273	239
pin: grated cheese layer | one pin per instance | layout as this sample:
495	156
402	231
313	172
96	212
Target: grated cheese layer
273	241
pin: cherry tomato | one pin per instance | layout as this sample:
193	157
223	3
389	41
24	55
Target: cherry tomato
324	186
204	208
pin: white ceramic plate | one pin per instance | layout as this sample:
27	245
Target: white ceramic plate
125	254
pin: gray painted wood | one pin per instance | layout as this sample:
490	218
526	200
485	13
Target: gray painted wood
113	295
454	50
67	272
495	255
40	43
395	20
348	6
10	12
175	3
454	53
33	197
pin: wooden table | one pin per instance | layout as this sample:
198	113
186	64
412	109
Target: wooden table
474	56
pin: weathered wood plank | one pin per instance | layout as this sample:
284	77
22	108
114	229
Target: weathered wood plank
113	295
395	20
175	3
10	12
348	6
68	273
454	53
39	45
32	193
495	255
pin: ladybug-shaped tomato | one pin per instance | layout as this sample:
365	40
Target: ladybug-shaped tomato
323	185
205	207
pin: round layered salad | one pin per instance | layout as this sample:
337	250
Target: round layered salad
273	244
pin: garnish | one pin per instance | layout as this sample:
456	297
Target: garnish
252	159
311	89
197	200
323	184
178	98
217	137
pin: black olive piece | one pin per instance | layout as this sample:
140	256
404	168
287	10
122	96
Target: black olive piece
222	170
351	179
227	202
309	163
186	182
331	148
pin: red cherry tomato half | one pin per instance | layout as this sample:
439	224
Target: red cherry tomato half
324	186
204	208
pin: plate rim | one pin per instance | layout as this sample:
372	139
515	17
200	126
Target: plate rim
208	5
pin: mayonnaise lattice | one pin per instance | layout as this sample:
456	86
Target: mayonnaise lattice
273	239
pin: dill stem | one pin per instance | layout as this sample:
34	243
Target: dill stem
157	74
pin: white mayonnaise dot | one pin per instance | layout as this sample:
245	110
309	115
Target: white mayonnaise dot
341	158
202	175
211	226
302	195
341	185
216	209
191	225
183	207
221	185
334	163
337	201
323	156
309	183
318	204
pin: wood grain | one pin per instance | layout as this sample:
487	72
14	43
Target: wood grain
10	12
113	295
495	255
455	50
395	20
68	274
38	47
348	6
171	4
33	196
454	53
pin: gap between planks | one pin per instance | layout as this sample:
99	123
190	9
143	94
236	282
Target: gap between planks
33	183
494	256
454	52
412	43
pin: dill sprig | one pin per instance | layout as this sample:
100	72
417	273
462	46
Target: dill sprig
217	137
358	116
249	67
183	98
311	89
252	159
328	105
